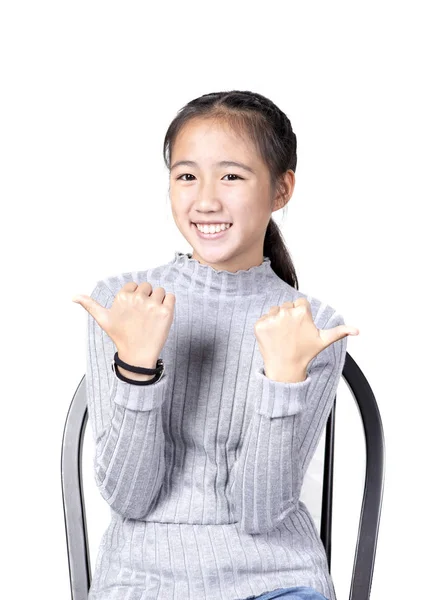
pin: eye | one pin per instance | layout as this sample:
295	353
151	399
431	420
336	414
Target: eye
228	175
183	175
233	175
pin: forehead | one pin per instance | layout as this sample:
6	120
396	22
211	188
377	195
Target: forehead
212	137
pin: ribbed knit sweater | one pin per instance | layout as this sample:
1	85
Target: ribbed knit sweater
203	469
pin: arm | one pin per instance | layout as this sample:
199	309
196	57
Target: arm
282	437
126	423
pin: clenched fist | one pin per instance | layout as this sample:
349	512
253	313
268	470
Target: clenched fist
138	321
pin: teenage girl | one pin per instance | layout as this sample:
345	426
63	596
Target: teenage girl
205	505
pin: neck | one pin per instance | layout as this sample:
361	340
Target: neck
203	277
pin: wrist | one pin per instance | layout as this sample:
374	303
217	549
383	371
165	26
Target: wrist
134	376
286	374
136	360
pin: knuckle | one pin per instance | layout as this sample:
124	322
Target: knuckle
164	310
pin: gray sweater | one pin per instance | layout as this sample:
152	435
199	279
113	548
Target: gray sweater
203	469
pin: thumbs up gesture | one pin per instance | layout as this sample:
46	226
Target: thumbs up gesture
288	339
138	321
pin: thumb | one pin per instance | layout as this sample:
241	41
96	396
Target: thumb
329	336
98	312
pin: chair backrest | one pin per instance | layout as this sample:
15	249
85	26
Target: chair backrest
369	521
363	567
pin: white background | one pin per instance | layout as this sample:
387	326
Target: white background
88	91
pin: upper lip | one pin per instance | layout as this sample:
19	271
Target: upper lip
210	222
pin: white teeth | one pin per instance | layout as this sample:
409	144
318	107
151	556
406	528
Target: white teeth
212	228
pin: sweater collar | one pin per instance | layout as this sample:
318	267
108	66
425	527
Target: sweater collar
199	277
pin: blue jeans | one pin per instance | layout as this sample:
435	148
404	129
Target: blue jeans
293	593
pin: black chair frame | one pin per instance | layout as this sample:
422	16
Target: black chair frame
363	567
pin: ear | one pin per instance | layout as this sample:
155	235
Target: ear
286	188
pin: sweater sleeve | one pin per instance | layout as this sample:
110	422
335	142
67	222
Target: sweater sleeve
282	437
126	423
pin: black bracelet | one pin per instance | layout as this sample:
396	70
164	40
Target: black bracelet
158	371
142	370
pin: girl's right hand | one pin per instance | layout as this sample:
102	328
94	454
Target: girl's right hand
138	321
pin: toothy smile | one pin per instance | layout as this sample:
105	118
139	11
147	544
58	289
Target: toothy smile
212	227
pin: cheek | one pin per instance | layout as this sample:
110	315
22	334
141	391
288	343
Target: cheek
180	199
254	209
182	196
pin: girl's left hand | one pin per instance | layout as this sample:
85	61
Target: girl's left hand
288	335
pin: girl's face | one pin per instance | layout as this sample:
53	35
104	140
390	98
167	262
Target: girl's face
210	192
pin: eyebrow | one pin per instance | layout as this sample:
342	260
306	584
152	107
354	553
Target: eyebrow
222	163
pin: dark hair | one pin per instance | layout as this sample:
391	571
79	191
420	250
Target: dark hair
253	115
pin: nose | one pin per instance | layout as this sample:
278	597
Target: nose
207	199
